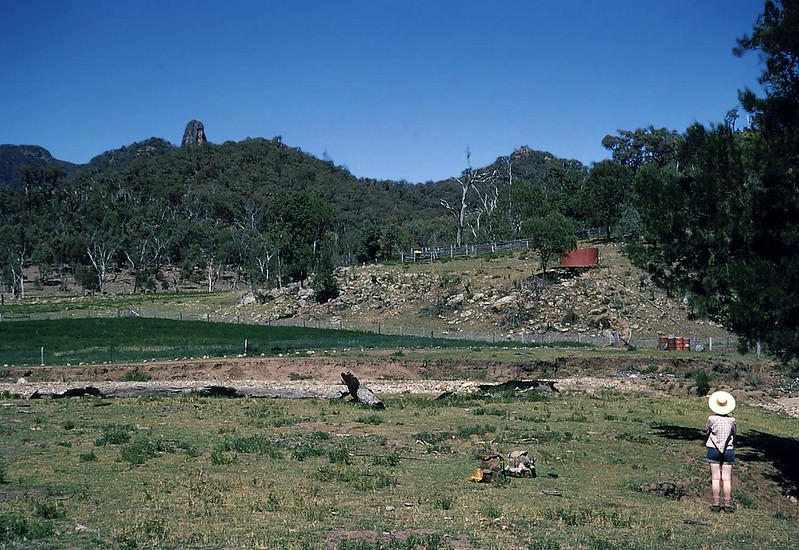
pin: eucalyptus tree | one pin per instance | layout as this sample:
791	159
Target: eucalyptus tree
298	221
468	181
643	146
550	235
517	204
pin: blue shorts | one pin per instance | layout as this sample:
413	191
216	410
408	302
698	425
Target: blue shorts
715	457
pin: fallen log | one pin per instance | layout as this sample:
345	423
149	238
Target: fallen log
521	385
360	394
88	391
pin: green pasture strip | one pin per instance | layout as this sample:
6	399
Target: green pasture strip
56	304
195	472
71	341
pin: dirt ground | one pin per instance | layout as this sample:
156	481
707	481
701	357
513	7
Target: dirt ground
758	384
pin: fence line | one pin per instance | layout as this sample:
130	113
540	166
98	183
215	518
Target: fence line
523	337
431	254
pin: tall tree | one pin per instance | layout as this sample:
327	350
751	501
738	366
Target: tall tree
607	190
643	146
467	181
516	204
723	228
298	221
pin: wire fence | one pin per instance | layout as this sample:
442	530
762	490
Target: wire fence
431	254
606	339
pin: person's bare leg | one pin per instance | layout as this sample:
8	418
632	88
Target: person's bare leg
715	483
726	479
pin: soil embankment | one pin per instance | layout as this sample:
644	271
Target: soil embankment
759	384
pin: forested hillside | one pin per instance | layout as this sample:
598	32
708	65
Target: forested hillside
711	214
259	209
19	163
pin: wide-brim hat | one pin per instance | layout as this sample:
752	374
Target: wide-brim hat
721	402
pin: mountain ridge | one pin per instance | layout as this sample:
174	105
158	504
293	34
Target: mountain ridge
15	157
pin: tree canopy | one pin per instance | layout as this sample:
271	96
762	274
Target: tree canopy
722	224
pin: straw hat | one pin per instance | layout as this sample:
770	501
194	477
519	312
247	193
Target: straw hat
721	402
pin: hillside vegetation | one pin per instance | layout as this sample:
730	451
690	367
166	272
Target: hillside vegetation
710	214
501	296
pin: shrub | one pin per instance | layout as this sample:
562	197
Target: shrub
114	435
445	502
392	459
372	419
702	379
325	284
221	458
253	444
88	457
339	456
139	451
14	527
48	509
303	451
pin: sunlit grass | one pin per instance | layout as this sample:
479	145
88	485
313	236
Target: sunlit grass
72	341
220	473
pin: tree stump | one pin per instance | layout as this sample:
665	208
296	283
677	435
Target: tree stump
361	394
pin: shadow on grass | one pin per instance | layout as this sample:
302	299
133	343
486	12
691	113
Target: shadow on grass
753	446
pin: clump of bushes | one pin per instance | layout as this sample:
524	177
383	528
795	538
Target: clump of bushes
702	380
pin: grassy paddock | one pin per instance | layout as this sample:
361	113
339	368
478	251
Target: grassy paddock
133	339
247	473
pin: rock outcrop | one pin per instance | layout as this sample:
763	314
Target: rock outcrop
602	304
194	134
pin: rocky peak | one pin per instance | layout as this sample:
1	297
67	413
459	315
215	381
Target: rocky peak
523	151
194	134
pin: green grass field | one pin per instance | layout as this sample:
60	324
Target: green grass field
74	341
195	472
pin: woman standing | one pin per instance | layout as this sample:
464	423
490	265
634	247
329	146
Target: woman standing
720	429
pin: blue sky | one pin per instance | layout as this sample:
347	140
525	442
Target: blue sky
389	89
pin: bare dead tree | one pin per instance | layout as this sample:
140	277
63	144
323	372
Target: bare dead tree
487	191
17	266
101	252
468	181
